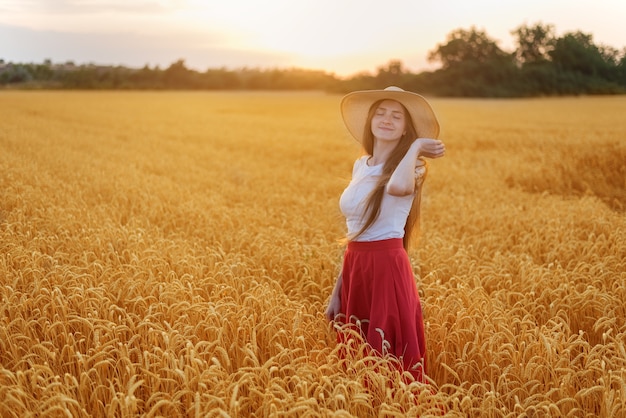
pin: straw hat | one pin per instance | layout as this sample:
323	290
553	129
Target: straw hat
356	105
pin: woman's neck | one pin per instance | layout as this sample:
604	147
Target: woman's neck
382	151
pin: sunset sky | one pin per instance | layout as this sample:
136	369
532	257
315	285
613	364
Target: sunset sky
339	36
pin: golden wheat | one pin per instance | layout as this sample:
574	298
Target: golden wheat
170	254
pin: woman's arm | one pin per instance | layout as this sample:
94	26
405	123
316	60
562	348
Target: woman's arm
402	180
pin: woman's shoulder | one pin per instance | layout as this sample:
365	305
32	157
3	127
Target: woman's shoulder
359	163
362	160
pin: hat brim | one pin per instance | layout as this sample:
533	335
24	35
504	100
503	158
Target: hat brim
356	105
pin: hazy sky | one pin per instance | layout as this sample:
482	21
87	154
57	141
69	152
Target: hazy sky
340	36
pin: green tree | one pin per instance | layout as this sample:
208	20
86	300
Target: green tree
621	68
585	67
464	46
576	52
15	73
534	43
178	76
473	65
392	74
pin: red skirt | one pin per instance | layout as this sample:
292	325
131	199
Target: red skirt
379	297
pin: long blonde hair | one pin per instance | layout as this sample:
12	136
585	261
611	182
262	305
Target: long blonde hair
375	199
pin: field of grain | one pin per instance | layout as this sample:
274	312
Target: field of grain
171	254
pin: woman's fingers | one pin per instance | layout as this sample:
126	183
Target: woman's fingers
432	148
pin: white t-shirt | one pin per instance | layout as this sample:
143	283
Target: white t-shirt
394	210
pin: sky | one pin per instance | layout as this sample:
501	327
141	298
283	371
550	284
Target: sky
343	37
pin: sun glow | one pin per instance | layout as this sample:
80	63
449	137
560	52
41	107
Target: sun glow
313	35
290	27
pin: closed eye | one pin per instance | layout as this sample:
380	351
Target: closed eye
394	114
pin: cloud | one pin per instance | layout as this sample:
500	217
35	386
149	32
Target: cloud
91	6
130	49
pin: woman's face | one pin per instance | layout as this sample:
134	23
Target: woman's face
389	121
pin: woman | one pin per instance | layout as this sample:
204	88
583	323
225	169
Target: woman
376	290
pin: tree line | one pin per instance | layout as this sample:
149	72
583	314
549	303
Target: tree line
471	65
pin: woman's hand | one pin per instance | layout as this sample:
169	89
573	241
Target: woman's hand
334	306
430	148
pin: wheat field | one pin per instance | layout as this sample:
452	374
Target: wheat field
171	254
